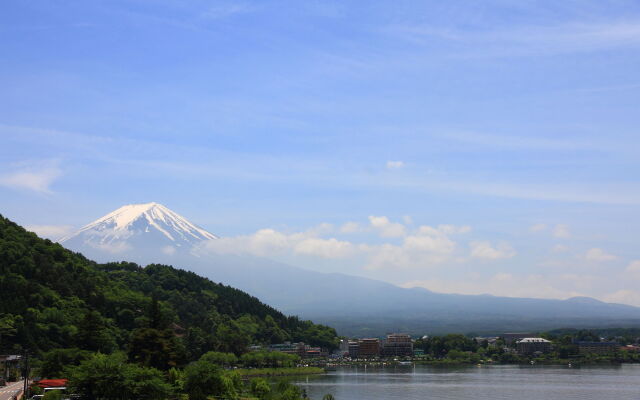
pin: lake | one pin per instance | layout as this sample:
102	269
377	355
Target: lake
478	383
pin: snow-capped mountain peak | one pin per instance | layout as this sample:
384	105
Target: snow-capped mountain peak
136	227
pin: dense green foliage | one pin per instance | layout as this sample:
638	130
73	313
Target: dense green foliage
456	349
621	335
162	317
110	377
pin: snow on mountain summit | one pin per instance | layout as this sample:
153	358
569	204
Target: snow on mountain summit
136	223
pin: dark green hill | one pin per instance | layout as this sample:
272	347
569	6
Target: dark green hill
53	298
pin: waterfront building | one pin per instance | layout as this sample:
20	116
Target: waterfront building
511	338
598	347
300	349
397	345
354	349
369	348
533	345
631	347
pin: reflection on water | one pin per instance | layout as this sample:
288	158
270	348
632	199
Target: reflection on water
483	382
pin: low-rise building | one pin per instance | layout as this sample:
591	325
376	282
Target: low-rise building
369	348
511	338
300	349
397	345
598	347
354	349
631	347
533	345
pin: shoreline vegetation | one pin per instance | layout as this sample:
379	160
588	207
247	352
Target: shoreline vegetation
279	372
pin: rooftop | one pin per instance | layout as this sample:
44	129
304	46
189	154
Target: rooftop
534	340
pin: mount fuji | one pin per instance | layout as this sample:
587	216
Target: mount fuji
152	233
143	233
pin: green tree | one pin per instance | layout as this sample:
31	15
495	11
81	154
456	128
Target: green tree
55	361
110	377
260	388
154	348
223	359
202	379
94	334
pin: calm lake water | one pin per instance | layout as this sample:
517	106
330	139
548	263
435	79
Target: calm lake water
478	383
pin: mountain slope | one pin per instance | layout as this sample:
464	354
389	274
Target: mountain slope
52	298
354	305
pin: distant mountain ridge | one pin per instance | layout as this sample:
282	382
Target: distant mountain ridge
354	305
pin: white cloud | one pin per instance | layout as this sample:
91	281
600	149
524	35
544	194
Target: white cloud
37	177
325	248
387	228
264	243
561	231
407	220
429	246
323	228
53	232
634	266
598	255
169	250
453	229
395	164
271	243
113	248
425	247
486	251
538	227
350	227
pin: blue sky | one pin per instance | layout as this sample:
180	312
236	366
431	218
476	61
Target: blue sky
510	129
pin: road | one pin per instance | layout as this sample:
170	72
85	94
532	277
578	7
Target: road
11	389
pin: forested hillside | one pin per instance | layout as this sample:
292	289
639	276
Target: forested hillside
52	298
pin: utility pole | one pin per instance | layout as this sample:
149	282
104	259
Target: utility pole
25	389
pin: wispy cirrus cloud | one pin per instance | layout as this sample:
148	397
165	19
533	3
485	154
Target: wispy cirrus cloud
567	37
37	176
228	9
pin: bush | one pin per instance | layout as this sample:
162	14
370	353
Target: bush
53	395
